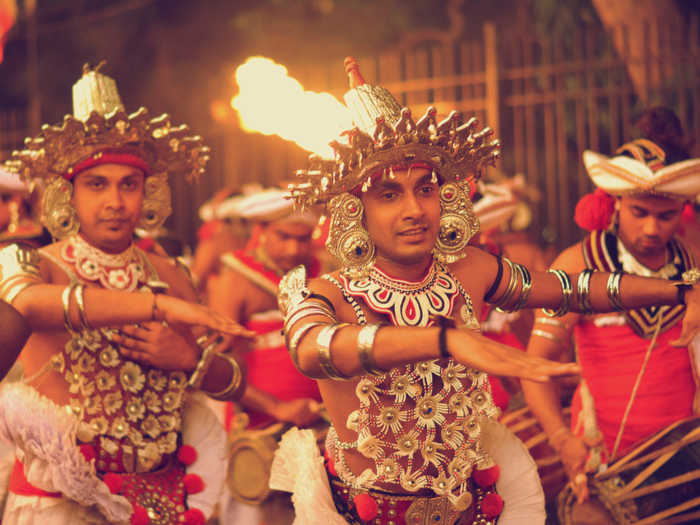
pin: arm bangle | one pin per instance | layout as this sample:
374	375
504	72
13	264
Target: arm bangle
442	342
552	322
584	293
66	307
547	335
323	342
512	285
294	344
79	290
236	377
614	297
524	291
566	294
365	350
203	365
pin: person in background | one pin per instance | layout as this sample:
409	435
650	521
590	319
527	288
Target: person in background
247	292
633	218
19	215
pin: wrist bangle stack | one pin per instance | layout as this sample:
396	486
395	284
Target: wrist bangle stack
566	292
614	297
524	292
583	292
365	350
79	291
236	377
323	342
510	289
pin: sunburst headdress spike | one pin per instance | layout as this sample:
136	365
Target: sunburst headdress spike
385	136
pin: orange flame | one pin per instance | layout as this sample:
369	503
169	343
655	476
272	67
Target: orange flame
272	103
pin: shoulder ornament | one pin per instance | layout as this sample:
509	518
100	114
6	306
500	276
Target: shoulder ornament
292	290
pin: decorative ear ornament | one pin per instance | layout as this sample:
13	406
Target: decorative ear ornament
58	214
156	204
457	224
348	241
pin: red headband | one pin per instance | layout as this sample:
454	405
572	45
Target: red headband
125	159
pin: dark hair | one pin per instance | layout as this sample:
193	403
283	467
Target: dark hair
663	127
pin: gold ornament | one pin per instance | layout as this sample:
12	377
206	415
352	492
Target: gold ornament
458	222
348	241
156	204
14	216
58	215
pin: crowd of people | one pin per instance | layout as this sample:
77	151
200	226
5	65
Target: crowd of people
348	348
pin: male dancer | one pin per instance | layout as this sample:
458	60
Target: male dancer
100	437
642	190
412	438
247	292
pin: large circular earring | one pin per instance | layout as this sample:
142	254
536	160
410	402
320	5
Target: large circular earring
348	241
156	204
458	223
58	214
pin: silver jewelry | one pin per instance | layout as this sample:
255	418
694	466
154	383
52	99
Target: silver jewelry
614	297
584	293
365	349
567	294
323	342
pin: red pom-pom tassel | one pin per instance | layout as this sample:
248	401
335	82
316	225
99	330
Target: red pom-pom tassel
187	454
595	210
366	507
491	505
88	452
195	517
193	483
114	482
330	464
140	516
487	476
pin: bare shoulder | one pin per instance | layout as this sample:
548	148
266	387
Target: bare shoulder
571	259
478	267
327	289
50	271
177	277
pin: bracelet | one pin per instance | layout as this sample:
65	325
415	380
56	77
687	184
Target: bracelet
512	285
552	440
365	349
294	343
614	297
552	322
236	377
202	368
308	311
584	293
65	298
547	335
79	290
524	291
154	307
442	342
323	342
566	294
681	294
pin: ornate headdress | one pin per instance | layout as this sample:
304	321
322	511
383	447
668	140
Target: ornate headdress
639	167
101	132
385	138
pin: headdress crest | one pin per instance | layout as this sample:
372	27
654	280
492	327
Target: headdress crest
386	137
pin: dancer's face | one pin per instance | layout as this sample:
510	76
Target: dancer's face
648	222
402	216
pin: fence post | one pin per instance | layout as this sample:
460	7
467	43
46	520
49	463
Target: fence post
492	102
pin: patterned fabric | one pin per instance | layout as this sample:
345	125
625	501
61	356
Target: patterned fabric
600	252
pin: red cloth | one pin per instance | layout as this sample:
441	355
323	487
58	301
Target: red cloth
20	485
611	358
106	157
272	370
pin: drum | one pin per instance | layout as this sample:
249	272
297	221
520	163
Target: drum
525	425
250	458
657	483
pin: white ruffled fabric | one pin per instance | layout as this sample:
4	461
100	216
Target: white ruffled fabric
44	438
202	429
298	468
519	484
